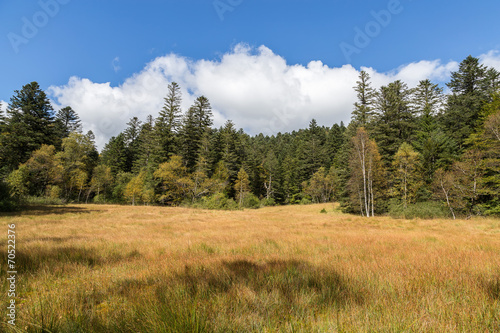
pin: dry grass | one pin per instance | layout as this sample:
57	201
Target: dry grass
279	269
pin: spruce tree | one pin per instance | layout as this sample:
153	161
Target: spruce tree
196	123
470	90
29	124
395	119
363	108
67	121
428	99
146	147
114	155
168	124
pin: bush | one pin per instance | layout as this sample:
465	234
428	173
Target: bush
217	201
422	210
267	202
305	201
54	192
32	200
99	199
251	201
8	203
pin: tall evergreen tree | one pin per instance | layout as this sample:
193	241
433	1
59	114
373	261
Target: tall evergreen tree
146	147
395	119
428	99
29	124
196	123
67	121
168	123
363	107
114	154
131	137
470	90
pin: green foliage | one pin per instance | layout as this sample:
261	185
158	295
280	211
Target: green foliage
8	202
67	121
406	179
217	201
250	201
267	202
394	120
363	108
419	210
29	125
178	158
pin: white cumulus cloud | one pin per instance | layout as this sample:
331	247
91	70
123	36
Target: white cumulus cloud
254	87
491	59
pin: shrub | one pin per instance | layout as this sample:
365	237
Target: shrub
251	201
267	202
54	192
8	203
217	201
422	210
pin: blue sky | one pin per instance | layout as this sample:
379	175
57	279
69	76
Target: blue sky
107	41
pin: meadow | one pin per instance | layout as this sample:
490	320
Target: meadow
95	268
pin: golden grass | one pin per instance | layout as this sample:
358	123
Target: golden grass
278	269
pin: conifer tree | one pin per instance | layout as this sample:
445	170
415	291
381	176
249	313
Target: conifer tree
363	108
470	88
29	124
196	123
168	124
131	137
114	155
428	99
146	150
395	119
67	121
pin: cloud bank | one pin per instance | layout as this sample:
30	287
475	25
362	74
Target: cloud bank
254	87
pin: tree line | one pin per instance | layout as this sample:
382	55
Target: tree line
405	150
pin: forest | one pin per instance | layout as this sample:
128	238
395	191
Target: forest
428	151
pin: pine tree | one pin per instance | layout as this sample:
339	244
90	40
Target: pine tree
168	124
428	99
470	88
312	152
114	155
67	121
29	124
363	108
395	119
196	123
230	145
146	148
